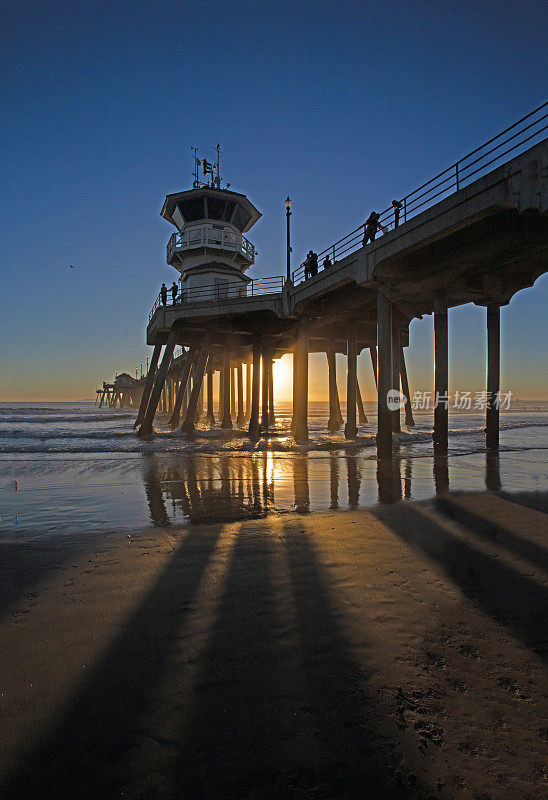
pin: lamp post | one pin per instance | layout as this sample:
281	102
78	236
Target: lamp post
288	214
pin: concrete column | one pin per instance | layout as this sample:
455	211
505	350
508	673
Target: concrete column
264	392
271	415
384	344
146	426
200	405
226	419
255	391
396	357
351	429
493	377
335	417
441	379
221	388
373	354
232	392
362	416
240	386
200	365
295	387
210	417
248	391
301	421
409	421
181	392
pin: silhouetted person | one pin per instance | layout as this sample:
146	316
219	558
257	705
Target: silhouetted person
397	206
327	263
307	263
174	289
372	226
163	294
313	263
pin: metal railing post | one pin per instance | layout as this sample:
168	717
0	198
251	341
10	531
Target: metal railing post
457	174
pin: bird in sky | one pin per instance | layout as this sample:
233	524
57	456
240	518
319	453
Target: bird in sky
70	266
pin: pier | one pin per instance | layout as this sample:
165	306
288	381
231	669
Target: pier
475	233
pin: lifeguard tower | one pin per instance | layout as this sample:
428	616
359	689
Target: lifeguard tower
208	247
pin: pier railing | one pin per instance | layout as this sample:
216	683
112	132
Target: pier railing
215	293
208	235
524	133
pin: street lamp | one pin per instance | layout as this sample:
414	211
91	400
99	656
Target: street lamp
288	214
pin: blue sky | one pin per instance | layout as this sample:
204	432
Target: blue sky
342	105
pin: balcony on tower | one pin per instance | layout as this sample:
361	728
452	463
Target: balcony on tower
210	225
206	236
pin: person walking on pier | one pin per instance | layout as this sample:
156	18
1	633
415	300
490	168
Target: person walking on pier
372	226
174	290
163	294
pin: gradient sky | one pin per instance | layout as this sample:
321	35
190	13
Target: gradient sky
342	105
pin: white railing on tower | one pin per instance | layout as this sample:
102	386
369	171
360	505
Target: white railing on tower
208	235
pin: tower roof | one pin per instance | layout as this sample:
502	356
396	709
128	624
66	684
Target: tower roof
210	203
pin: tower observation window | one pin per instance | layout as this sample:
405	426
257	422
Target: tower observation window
241	218
192	209
215	207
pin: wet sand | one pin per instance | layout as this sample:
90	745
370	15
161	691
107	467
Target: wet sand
383	653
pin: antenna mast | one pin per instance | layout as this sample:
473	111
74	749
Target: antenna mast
218	178
196	183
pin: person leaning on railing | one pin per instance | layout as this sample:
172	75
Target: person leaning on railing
372	226
174	289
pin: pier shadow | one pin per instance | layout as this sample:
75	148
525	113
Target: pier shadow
26	566
91	735
510	597
281	708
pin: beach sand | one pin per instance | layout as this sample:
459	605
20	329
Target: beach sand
383	653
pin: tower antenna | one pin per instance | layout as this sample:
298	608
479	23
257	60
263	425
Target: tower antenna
218	178
197	162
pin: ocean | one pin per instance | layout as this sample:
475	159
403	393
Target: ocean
73	467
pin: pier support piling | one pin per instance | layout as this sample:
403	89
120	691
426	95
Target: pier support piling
493	377
232	392
384	369
271	415
265	390
191	357
226	419
146	425
441	377
199	370
301	418
396	357
255	390
373	354
248	391
240	388
409	421
210	416
335	417
351	429
362	416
